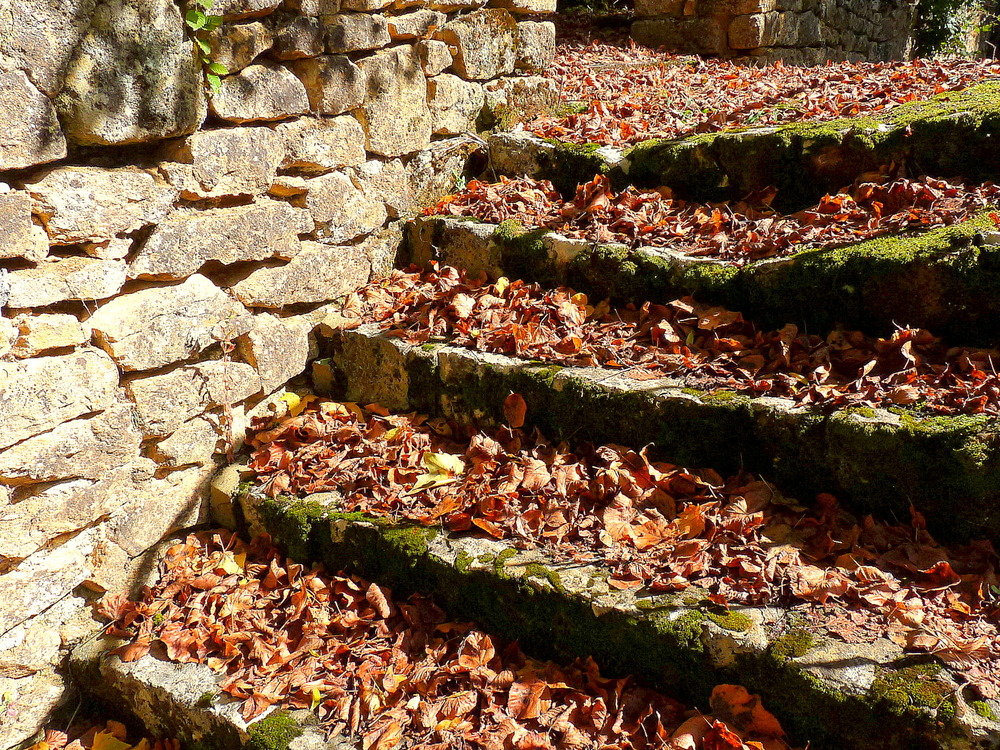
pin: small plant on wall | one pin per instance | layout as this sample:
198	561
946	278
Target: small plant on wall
201	22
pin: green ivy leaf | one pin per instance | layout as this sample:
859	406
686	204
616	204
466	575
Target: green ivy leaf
219	69
214	82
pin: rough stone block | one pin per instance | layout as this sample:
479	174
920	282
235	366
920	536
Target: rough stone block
91	204
686	34
237	45
657	8
366	6
333	83
278	348
355	32
320	144
65	279
233	10
260	93
386	180
227	162
114	93
301	36
753	30
484	41
343	208
40	393
515	99
433	172
434	56
188	239
155	327
20	237
44	332
536	47
449	6
194	442
416	24
33	134
455	104
525	7
31	700
395	115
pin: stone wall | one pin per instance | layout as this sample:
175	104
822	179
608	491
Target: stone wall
801	32
168	255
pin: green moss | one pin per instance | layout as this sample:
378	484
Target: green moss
205	699
463	560
902	689
158	619
293	523
793	644
537	570
983	709
686	629
274	732
411	541
500	563
734	621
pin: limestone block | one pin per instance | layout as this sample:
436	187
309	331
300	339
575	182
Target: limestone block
416	24
386	181
134	77
525	7
237	9
484	41
365	6
432	173
40	393
704	35
740	7
395	115
300	36
35	644
536	45
516	99
434	56
355	32
86	448
237	45
277	347
447	6
20	237
260	93
319	273
92	204
31	700
656	8
63	279
343	208
164	402
333	83
227	162
455	104
113	249
189	238
33	134
382	249
155	327
8	335
314	7
44	332
194	442
320	144
753	30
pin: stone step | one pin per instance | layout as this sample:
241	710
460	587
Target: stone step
826	692
946	280
952	134
877	461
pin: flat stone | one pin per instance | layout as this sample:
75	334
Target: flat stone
416	24
260	93
526	7
355	32
314	7
395	117
134	77
8	335
188	239
333	83
227	162
84	448
449	6
34	135
40	393
165	402
455	104
434	56
301	36
155	327
236	9
518	98
236	46
654	8
536	47
224	486
343	208
278	348
485	43
92	204
194	442
44	332
386	180
31	700
366	6
63	279
114	249
319	144
434	172
320	273
20	237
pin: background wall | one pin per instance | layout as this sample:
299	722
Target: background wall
168	254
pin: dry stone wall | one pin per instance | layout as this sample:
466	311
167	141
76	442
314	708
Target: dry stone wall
169	254
803	32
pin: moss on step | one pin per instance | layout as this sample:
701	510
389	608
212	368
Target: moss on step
982	708
793	644
274	732
918	686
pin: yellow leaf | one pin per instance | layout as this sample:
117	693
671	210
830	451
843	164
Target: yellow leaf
315	698
105	741
444	463
232	564
142	745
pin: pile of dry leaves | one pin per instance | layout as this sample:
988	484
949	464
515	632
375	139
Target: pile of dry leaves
695	345
634	93
397	674
654	525
86	735
738	232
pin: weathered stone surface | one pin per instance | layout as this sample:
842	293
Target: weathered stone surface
485	41
164	402
333	83
434	55
704	35
395	116
386	180
188	239
20	237
526	7
278	348
91	204
447	6
156	327
8	335
319	144
366	6
314	7
260	93
753	30
433	172
194	442
653	8
455	104
65	279
44	332
236	9
227	162
85	448
416	24
355	32
515	99
319	273
298	37
134	77
343	208
113	249
32	131
30	703
38	394
536	45
237	45
34	645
